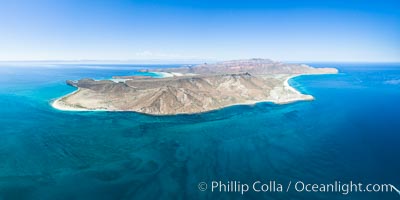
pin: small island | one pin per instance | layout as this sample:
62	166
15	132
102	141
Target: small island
191	89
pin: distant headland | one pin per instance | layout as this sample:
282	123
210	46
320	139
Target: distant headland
191	89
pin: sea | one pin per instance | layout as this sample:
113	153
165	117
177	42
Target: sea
350	134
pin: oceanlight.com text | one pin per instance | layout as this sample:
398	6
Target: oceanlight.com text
344	188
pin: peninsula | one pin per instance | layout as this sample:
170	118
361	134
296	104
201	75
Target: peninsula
192	89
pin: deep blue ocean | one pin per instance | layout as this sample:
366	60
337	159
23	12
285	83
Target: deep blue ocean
350	132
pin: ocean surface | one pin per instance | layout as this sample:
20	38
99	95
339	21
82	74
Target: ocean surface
351	132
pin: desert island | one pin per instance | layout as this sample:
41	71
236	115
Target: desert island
191	89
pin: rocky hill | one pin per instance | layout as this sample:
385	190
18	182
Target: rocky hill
214	86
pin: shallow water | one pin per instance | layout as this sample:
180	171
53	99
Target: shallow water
350	132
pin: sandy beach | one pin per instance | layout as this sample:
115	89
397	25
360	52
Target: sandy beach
172	74
59	104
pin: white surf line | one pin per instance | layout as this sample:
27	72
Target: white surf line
163	74
395	189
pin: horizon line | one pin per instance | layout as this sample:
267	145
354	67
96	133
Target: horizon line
175	61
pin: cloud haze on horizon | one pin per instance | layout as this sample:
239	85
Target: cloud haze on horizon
310	30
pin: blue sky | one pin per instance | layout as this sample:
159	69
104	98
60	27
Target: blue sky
367	31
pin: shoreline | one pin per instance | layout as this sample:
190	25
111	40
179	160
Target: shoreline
170	74
162	74
286	83
59	105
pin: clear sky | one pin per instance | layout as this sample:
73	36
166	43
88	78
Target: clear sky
295	30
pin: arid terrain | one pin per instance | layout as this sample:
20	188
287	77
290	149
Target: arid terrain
194	89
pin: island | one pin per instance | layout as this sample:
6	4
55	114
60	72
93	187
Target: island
191	89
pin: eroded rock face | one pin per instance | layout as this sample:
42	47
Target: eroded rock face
214	86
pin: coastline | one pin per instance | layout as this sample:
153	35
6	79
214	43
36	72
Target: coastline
170	74
286	86
58	104
306	97
162	74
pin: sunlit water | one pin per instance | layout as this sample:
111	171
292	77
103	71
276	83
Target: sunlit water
350	132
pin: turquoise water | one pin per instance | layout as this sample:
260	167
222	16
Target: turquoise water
350	132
